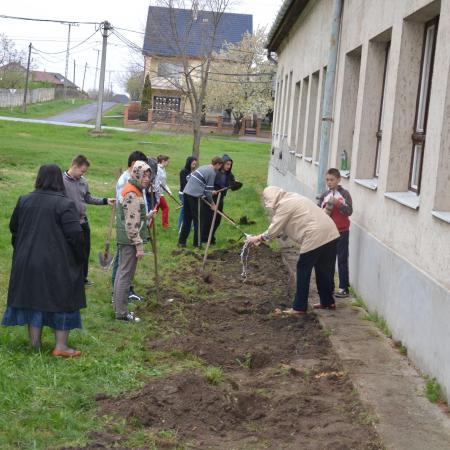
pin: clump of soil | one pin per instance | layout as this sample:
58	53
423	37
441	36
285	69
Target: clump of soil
282	385
244	220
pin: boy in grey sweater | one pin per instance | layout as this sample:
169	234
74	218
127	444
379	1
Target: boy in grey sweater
200	184
77	189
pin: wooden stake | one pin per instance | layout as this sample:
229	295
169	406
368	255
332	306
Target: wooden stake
155	253
211	231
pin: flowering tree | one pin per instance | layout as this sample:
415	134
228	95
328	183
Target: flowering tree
241	79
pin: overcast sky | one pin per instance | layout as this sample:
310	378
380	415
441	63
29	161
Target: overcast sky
52	37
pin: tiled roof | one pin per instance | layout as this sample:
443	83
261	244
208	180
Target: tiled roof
192	34
51	77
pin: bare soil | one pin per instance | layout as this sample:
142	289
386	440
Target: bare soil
282	386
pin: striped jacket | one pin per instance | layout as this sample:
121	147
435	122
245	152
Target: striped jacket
201	182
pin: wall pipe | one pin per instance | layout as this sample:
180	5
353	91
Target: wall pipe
327	115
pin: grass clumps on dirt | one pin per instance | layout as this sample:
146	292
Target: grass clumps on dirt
213	375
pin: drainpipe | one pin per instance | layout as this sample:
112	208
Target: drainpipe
327	118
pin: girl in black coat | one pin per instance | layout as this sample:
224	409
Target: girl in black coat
46	286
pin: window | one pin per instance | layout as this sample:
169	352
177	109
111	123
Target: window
319	116
167	103
352	67
379	134
295	115
312	108
423	99
171	71
302	115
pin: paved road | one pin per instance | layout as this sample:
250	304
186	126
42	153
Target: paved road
81	114
65	124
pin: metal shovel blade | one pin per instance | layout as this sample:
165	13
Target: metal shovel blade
235	186
105	258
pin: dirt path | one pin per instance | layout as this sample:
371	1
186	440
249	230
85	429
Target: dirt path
282	385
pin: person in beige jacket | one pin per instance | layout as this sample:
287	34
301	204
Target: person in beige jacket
300	219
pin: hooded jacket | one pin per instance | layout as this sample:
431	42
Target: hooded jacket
185	172
298	218
224	178
131	219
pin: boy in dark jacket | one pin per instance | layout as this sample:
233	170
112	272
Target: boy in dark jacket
224	179
337	203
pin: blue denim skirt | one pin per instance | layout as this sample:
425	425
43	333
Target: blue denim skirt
56	320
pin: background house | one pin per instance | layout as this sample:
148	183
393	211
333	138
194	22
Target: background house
174	36
391	115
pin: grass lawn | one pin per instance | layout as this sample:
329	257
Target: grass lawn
44	109
47	403
116	110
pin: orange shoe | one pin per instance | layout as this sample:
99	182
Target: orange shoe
66	353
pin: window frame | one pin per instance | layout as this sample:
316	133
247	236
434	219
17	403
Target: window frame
379	133
418	137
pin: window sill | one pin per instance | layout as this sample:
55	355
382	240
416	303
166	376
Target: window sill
442	215
299	155
345	173
292	152
307	159
371	183
409	199
316	163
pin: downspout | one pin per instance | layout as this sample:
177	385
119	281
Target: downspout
327	117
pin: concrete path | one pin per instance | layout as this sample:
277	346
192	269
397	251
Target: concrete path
81	113
65	124
387	382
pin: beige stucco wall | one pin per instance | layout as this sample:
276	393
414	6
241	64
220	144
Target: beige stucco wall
399	254
162	87
416	235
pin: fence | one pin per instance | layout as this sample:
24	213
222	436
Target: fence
10	97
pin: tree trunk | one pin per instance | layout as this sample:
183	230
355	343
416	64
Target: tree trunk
197	137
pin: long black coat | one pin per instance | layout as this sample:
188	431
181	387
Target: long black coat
46	273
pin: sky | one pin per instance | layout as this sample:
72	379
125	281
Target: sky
52	37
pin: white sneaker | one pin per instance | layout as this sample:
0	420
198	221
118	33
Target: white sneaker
130	317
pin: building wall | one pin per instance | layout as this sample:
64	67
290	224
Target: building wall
400	240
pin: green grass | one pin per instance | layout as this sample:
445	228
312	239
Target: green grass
47	403
213	375
116	110
433	391
44	109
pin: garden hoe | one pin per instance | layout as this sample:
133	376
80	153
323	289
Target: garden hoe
180	205
228	219
211	230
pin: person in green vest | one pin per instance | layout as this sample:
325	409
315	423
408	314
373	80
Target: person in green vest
132	232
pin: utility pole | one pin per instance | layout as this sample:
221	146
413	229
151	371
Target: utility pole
73	72
67	62
96	69
84	76
26	80
109	85
105	27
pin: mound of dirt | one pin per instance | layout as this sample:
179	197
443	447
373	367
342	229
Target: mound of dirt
282	388
188	404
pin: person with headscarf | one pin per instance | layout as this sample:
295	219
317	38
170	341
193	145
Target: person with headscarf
46	286
298	218
185	172
132	232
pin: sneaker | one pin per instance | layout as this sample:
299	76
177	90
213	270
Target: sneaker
133	297
88	283
130	317
181	245
341	293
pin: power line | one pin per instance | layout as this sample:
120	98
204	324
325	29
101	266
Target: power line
65	22
70	49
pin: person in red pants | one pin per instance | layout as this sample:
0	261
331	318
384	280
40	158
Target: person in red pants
162	188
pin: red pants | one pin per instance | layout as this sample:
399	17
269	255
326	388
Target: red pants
165	211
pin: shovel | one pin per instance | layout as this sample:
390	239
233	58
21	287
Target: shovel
106	257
